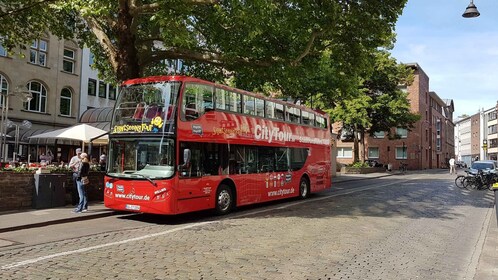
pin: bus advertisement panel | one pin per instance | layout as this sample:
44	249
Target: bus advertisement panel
179	144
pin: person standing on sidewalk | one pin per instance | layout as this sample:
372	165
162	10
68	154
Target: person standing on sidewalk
82	172
452	166
74	164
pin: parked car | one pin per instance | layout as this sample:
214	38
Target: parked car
483	165
461	164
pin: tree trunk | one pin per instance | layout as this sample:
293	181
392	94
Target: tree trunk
128	66
362	142
356	150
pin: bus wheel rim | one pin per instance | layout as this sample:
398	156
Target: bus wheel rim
304	188
224	200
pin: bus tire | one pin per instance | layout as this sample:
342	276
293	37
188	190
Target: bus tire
304	188
224	200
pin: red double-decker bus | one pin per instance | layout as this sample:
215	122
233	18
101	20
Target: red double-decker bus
180	144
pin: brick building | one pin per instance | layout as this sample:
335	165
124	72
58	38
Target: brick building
430	144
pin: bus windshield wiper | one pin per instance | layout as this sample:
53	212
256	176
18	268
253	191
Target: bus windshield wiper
146	177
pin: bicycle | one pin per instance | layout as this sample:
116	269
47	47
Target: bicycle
459	181
480	181
403	168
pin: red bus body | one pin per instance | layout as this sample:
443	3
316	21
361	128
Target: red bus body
216	137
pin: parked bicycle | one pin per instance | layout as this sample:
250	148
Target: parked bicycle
482	180
403	167
459	180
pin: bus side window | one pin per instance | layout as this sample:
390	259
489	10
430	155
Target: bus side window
197	99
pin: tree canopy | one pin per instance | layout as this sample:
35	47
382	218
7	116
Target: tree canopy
258	42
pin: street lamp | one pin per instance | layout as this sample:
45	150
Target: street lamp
485	147
22	93
471	11
26	125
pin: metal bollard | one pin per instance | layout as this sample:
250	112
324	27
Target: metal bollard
495	190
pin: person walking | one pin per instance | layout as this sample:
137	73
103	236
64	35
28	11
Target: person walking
452	166
74	164
82	172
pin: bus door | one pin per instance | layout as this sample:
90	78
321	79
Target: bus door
194	190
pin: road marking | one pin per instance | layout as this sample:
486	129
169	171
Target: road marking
87	249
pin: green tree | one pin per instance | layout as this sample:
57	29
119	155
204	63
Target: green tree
257	41
379	104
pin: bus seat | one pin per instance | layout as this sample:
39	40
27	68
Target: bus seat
153	111
169	113
139	111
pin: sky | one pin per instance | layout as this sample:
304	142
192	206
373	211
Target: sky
459	55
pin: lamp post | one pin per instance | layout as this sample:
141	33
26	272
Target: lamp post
22	93
25	124
485	148
471	11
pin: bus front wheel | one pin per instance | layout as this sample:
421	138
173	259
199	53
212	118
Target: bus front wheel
224	200
304	188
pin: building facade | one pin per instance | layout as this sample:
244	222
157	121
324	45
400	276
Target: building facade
57	74
430	144
478	136
48	69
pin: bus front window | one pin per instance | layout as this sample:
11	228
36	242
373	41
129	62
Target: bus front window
151	103
141	157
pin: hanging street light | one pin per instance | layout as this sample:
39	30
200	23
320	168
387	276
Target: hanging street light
471	11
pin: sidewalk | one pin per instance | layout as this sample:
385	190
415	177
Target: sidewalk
17	220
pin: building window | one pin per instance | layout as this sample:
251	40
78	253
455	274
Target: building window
3	51
38	103
92	87
112	92
91	59
402	132
68	61
380	134
66	97
492	129
492	116
38	52
4	88
401	152
102	89
373	152
344	152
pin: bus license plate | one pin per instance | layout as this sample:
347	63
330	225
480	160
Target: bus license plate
132	207
495	185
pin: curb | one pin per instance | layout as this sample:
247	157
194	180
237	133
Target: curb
80	217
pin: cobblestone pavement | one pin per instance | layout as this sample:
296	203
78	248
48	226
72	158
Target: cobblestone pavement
396	228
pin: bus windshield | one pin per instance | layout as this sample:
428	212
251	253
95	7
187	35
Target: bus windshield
146	105
151	158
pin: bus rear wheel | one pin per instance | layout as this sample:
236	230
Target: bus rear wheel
224	200
304	188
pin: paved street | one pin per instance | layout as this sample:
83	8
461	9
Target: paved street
414	226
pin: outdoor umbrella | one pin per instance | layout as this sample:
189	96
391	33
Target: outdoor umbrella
82	132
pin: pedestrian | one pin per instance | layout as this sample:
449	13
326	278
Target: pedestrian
102	161
82	176
74	164
452	166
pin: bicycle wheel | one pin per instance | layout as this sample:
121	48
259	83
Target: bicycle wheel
459	181
469	182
